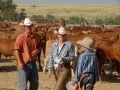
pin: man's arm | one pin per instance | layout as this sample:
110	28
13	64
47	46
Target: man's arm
38	47
78	71
17	55
35	52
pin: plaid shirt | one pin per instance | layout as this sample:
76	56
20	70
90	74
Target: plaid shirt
87	62
67	52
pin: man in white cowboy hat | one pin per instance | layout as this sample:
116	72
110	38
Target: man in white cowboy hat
27	46
87	65
62	53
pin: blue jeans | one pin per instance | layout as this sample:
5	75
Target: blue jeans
29	73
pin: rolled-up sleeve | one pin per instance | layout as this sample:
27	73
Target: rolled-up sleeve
78	71
18	43
50	61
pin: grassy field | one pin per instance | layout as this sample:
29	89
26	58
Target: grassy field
88	11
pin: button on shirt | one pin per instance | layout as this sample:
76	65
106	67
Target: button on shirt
26	43
67	52
87	62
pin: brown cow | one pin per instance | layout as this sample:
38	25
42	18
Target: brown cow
106	46
47	53
3	25
10	34
115	54
7	47
43	45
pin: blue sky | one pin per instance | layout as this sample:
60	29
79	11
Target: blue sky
70	1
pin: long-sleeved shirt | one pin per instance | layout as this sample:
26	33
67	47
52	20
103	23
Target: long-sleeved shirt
67	52
87	62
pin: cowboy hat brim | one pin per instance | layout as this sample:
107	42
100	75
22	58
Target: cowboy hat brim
27	24
84	45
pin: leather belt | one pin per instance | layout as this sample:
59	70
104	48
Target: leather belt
56	66
31	61
85	74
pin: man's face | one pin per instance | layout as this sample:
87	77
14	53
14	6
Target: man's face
81	49
29	28
61	37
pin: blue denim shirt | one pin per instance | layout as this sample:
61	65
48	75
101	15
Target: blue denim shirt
87	62
67	52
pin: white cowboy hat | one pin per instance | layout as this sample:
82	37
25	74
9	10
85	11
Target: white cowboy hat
62	31
27	22
87	43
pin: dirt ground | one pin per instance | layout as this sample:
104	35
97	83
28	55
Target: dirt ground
9	78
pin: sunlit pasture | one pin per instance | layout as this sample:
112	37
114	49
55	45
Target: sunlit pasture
88	11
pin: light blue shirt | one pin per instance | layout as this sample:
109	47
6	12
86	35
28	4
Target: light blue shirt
67	52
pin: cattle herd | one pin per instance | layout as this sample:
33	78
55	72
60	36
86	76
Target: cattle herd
106	39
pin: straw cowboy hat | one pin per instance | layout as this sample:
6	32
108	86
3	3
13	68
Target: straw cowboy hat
87	43
27	22
62	31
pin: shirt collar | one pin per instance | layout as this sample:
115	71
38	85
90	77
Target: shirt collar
28	34
87	51
65	42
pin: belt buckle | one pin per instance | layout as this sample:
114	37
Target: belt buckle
56	66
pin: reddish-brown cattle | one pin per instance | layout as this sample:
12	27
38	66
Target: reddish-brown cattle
106	46
115	54
7	47
47	53
10	34
3	25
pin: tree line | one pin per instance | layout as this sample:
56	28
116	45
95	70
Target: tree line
8	11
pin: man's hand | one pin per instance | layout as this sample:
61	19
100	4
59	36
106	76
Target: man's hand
21	66
49	75
75	85
35	52
60	59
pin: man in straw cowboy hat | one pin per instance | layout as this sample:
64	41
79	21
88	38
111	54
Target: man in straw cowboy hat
87	65
62	53
27	46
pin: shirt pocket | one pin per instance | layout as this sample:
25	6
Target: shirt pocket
65	52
